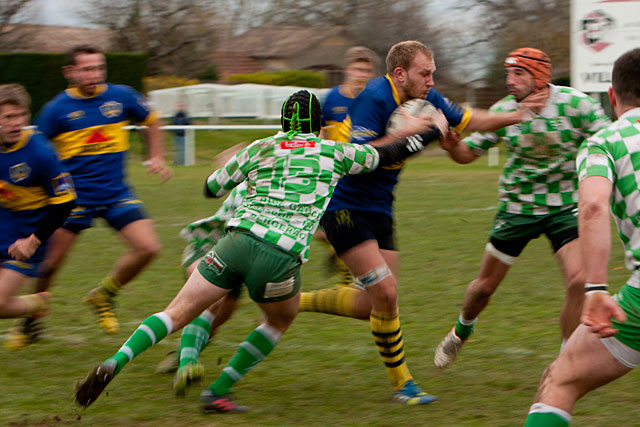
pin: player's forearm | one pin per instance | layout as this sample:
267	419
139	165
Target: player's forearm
153	135
595	238
487	121
395	151
458	150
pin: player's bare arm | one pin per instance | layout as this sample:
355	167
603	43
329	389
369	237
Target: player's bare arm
458	150
157	165
487	121
595	235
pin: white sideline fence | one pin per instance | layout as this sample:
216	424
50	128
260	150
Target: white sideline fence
190	135
215	101
493	154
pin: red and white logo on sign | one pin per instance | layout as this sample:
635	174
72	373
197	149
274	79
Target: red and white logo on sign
596	27
290	145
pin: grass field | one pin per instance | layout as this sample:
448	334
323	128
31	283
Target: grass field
326	370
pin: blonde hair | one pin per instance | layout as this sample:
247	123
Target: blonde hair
14	94
361	54
402	54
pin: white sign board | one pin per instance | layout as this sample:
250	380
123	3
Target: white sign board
601	31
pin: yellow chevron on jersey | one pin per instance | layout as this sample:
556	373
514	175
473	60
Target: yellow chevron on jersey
19	198
102	139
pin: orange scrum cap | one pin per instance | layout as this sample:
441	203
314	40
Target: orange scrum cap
534	61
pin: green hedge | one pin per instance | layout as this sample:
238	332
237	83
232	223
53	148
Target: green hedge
282	78
41	73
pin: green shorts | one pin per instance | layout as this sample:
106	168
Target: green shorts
629	300
511	232
194	251
269	272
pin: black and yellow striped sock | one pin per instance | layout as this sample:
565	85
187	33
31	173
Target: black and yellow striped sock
345	277
388	335
340	301
110	286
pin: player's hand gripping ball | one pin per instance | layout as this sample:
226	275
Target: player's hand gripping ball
413	107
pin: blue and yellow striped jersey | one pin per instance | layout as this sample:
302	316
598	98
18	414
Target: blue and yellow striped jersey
91	141
31	178
367	120
334	112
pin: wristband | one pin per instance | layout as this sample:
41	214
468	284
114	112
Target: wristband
596	288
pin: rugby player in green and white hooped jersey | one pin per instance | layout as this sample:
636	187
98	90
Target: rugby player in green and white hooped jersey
537	191
602	350
291	177
201	236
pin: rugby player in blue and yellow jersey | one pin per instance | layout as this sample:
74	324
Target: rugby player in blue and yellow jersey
360	65
359	218
35	198
86	123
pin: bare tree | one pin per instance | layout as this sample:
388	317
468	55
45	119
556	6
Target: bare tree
12	13
177	35
377	24
492	28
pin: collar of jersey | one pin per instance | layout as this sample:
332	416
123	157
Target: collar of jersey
24	137
393	90
75	93
634	112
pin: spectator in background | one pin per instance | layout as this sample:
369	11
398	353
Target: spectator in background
181	118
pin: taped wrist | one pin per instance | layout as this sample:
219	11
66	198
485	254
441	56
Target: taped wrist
591	288
400	150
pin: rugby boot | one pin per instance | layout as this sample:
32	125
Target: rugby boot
89	389
447	350
211	402
102	304
189	374
411	394
25	332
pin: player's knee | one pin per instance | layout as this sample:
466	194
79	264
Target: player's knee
149	250
385	296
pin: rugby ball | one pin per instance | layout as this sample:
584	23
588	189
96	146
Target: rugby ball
414	107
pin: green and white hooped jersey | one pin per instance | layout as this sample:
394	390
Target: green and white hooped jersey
208	231
290	182
614	153
539	176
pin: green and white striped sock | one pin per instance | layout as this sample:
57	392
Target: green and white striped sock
542	415
253	349
195	337
149	333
